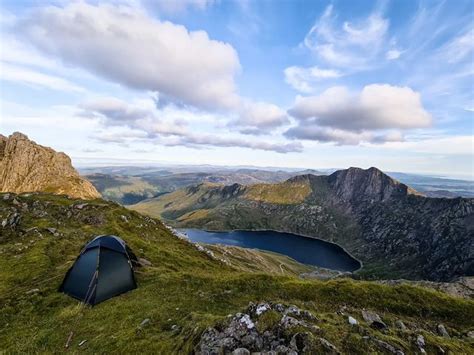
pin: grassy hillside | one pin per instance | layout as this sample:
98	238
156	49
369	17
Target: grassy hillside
184	291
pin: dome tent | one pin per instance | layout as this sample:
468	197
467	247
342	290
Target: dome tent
102	270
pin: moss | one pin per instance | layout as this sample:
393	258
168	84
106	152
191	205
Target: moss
268	320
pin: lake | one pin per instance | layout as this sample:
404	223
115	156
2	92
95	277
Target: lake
303	249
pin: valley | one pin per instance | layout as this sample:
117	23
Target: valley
394	230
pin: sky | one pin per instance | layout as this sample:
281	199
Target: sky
309	84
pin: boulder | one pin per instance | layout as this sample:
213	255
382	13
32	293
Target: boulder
442	331
373	319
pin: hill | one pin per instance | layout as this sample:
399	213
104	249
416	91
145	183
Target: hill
392	229
184	297
130	187
26	167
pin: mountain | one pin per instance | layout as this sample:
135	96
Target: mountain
194	300
392	229
26	167
132	186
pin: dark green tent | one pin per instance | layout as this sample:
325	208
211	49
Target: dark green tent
102	270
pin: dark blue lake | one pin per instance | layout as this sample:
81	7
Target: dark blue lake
303	249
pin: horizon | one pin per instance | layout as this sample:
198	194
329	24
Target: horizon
226	83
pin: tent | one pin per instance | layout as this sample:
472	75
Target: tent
102	270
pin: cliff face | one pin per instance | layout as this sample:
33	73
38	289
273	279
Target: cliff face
390	227
28	167
355	185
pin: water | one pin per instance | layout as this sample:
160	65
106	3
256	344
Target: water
305	250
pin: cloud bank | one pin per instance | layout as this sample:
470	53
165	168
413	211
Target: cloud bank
346	117
124	45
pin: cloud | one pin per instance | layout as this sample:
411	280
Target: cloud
393	54
18	74
377	106
301	78
179	6
220	141
142	121
347	45
377	114
459	48
341	137
261	115
124	45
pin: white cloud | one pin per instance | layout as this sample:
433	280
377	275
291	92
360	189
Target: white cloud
393	54
377	106
302	78
33	78
339	136
261	115
350	45
178	6
124	45
142	121
459	48
378	114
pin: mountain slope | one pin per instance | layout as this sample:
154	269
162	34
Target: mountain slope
26	167
393	230
185	291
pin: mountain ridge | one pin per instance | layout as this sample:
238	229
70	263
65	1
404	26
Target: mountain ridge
394	230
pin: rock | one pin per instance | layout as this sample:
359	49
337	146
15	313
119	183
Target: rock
373	319
470	334
442	331
239	331
245	319
299	341
288	322
261	308
144	262
328	346
53	231
241	351
26	166
400	325
80	206
293	310
351	320
124	218
420	341
386	346
144	322
6	197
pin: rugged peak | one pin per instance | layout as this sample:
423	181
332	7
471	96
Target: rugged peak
18	136
301	178
356	184
28	167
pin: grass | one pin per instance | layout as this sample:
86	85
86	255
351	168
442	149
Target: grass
288	192
183	292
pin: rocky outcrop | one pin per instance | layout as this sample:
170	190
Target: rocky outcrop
267	328
29	167
355	185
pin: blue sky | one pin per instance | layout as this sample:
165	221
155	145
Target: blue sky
313	84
